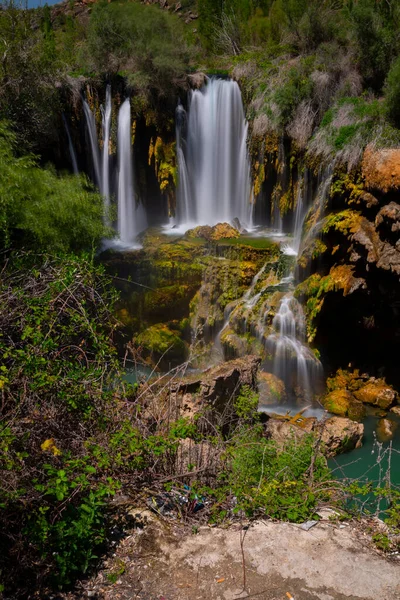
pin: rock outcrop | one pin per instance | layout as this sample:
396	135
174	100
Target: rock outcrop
338	434
342	402
377	393
381	169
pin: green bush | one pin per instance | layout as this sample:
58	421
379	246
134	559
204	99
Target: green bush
41	209
58	381
274	481
142	42
392	93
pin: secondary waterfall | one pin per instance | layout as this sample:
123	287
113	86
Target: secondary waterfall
214	168
94	144
293	362
131	218
105	172
72	154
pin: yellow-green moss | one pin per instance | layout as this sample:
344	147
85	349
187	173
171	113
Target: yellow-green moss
341	402
159	341
346	221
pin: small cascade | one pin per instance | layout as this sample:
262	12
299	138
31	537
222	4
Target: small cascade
105	171
131	218
317	210
214	168
183	191
94	144
71	148
293	362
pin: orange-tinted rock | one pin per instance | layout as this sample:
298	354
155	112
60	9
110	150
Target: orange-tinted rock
385	430
271	388
381	169
377	393
343	403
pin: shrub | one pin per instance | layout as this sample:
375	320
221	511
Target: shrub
42	209
58	382
142	41
392	93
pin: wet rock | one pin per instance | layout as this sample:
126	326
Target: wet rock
377	393
233	344
159	342
340	434
342	402
386	429
395	410
271	388
221	231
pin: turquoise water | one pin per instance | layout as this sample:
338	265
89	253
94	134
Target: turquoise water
375	462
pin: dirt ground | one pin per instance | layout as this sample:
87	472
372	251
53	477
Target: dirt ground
160	560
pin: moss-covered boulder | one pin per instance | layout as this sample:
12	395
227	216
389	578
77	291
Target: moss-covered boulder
342	403
271	389
376	392
221	231
161	344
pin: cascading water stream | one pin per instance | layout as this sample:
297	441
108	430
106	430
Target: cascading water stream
293	362
214	169
72	154
94	144
131	218
105	172
183	190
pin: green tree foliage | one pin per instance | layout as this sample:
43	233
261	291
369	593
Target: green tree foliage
143	42
374	25
28	70
392	93
42	209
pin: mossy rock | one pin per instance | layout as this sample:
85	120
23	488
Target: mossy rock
271	388
349	380
378	393
221	231
234	345
159	341
344	404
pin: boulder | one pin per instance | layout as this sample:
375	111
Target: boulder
395	410
281	430
342	402
221	231
377	393
340	435
223	383
381	169
385	429
271	388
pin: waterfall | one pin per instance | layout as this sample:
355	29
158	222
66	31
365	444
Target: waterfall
94	145
131	218
214	168
105	172
183	191
72	154
293	362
